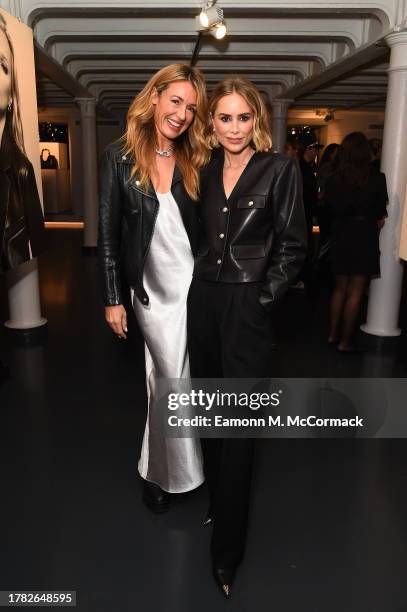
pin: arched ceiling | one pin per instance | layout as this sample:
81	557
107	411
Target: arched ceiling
316	53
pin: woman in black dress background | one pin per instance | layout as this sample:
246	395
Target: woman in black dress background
357	197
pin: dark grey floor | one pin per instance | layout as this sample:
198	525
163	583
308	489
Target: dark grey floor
328	522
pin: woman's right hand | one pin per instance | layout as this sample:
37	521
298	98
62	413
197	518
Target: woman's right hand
116	317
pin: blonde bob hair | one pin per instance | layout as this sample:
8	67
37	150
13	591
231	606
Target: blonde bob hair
261	140
191	149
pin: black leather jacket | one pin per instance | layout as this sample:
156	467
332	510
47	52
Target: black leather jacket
127	216
21	219
259	233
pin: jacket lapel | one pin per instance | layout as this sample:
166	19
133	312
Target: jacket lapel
176	177
180	195
212	183
188	208
5	165
4	199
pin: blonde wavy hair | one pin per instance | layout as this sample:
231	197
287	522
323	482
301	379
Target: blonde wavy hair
261	140
191	149
13	124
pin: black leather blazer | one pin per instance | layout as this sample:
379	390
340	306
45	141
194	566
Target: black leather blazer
127	216
259	233
21	219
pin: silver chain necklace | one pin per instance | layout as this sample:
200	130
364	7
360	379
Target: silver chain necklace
164	152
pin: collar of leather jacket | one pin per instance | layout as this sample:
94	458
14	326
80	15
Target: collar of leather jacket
215	170
126	159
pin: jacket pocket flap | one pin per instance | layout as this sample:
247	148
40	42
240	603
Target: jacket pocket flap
252	201
248	251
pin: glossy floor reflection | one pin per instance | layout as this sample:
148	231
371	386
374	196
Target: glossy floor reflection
328	521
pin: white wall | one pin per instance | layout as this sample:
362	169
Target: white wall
344	123
106	133
355	121
70	116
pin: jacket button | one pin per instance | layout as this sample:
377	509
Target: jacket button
124	157
251	203
225	209
221	235
219	261
145	300
137	183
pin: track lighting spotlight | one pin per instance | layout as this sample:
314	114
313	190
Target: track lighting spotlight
211	16
218	31
209	21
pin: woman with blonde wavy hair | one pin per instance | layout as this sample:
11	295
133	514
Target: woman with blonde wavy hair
21	218
252	248
148	230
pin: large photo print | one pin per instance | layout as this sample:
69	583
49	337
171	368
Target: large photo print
21	218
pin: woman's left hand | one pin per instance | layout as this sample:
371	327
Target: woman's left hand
116	318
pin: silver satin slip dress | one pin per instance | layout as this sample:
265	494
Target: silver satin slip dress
175	464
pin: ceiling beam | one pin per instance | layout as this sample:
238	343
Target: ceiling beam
356	60
47	66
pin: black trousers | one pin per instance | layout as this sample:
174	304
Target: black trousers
229	336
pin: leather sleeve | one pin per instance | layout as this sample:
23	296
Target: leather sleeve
33	212
290	235
109	236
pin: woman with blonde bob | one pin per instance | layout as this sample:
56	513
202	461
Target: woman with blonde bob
252	248
148	230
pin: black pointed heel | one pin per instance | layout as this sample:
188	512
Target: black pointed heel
208	520
224	578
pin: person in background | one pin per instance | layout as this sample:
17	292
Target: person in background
325	165
356	195
325	170
310	198
375	145
293	148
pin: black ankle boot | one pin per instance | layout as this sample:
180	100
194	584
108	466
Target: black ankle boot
155	498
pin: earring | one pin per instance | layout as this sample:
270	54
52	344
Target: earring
9	106
214	138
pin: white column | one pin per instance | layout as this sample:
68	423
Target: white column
24	297
90	170
385	292
279	126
